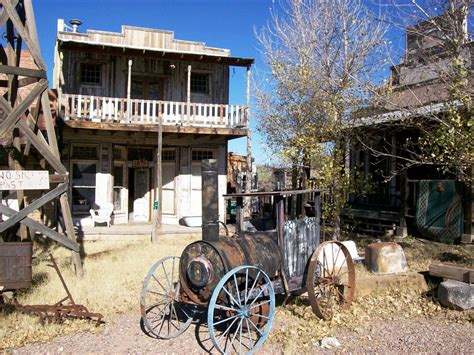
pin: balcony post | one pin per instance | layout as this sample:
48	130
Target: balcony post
129	89
188	94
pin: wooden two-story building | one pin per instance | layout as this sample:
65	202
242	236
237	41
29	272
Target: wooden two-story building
113	91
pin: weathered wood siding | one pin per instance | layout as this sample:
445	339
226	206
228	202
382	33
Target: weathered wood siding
114	71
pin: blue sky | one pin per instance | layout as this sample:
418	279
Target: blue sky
219	23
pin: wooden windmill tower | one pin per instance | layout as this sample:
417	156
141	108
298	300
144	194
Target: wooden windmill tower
23	103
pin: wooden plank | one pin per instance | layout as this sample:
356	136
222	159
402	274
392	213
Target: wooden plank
43	148
33	46
58	178
48	119
4	14
144	127
33	206
453	272
66	211
42	229
15	114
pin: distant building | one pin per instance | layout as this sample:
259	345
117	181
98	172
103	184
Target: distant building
417	89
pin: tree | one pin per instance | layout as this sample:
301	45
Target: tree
322	54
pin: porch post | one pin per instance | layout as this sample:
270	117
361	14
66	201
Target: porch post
129	89
248	184
157	206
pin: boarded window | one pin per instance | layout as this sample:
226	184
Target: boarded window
91	74
200	83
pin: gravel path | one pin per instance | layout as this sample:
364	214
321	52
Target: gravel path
122	334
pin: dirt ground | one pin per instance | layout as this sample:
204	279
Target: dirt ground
123	334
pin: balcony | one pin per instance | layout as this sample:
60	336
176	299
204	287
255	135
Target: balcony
140	112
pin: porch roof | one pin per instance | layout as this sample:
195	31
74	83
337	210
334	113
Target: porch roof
150	52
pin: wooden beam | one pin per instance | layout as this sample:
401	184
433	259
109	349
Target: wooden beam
42	229
43	148
33	46
130	127
33	73
160	54
4	14
453	272
48	119
60	189
15	114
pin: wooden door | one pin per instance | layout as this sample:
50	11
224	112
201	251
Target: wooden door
141	195
146	88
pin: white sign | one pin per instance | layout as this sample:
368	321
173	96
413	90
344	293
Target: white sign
24	180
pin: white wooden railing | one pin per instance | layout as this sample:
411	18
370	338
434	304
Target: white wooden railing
116	110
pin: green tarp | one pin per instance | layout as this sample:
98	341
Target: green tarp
439	210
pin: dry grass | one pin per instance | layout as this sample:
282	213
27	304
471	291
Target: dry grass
112	284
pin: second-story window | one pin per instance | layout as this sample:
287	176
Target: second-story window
200	83
91	74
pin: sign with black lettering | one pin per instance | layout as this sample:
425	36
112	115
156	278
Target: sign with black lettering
24	180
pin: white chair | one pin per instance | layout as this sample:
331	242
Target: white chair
103	214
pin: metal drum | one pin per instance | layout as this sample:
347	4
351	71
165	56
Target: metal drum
205	262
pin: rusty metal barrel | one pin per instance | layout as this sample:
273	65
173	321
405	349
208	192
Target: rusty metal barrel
204	263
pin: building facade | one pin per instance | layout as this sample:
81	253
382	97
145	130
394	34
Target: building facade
114	92
418	90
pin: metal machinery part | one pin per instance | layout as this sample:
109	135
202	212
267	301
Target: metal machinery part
162	313
241	310
331	279
204	263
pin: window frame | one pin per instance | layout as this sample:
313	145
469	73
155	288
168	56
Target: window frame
74	208
82	73
207	81
123	188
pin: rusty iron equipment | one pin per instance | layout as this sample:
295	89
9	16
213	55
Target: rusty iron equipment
234	279
64	308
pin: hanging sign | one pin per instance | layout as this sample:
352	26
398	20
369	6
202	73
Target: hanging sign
142	163
24	180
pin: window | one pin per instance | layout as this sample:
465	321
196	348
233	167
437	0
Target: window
119	186
84	152
119	153
198	155
91	74
83	185
200	83
168	155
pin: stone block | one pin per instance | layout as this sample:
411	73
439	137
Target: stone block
385	258
456	295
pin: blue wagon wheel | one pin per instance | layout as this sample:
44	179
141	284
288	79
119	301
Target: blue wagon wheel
162	313
241	310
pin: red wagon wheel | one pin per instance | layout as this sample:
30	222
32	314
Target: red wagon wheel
331	279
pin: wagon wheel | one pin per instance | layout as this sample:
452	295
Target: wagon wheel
331	279
241	310
162	313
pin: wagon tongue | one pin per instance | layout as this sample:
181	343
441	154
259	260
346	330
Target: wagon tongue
210	204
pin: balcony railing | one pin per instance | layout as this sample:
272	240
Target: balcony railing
117	110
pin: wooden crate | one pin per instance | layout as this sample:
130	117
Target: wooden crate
15	265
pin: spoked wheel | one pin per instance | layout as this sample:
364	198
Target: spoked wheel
331	279
241	310
162	313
